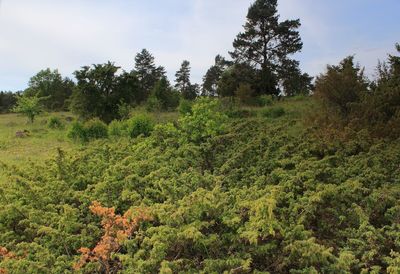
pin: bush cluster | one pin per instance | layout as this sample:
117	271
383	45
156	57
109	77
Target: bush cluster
90	130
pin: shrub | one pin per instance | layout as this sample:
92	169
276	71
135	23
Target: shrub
185	107
140	125
93	129
273	112
153	104
244	93
264	100
124	110
241	113
96	129
78	132
341	87
117	128
55	123
205	121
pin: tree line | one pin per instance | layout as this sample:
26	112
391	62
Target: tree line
260	64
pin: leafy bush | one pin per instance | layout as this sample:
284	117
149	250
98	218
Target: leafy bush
244	93
264	100
341	87
78	132
140	125
273	112
96	129
92	129
205	121
185	107
153	104
124	110
241	113
117	128
55	123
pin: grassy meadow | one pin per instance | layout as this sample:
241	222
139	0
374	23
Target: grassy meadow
40	142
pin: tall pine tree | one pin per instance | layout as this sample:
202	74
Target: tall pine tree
147	72
183	81
266	43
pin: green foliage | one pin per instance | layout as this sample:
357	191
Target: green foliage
90	130
147	73
118	128
153	104
124	110
7	101
183	85
163	97
28	106
96	129
140	125
233	77
267	43
55	123
244	93
350	103
273	112
77	132
255	198
185	107
341	87
100	91
204	122
264	100
213	75
50	84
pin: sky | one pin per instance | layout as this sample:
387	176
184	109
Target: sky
67	35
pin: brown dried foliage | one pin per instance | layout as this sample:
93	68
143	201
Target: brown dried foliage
117	229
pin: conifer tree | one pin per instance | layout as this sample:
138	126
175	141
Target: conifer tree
183	81
267	43
147	72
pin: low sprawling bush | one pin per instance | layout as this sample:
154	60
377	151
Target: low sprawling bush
273	112
241	113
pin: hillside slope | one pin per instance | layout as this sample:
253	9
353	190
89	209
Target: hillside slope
261	196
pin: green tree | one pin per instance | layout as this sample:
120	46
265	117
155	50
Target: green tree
30	106
164	95
266	43
147	72
234	76
295	82
100	91
341	87
49	83
213	75
7	101
183	81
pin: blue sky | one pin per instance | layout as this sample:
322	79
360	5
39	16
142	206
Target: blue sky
69	34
